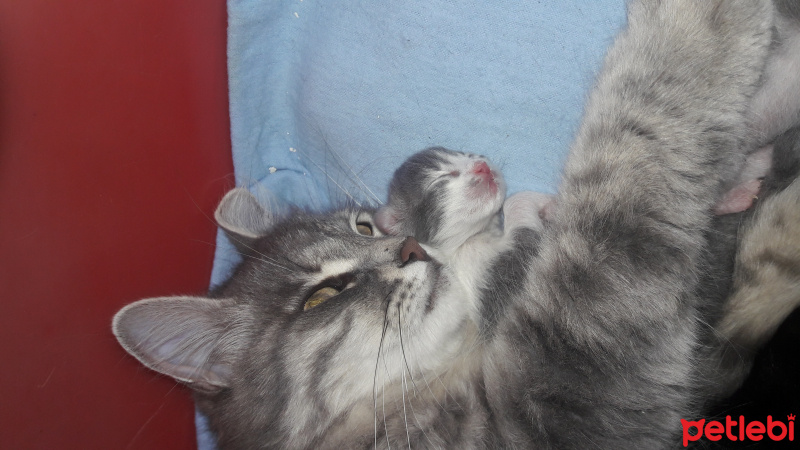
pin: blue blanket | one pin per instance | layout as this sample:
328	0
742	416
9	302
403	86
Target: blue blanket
328	98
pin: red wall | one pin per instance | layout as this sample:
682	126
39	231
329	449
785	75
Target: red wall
114	149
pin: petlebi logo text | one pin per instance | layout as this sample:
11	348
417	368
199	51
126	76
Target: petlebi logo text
738	430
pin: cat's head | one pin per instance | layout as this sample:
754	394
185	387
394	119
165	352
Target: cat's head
442	197
325	315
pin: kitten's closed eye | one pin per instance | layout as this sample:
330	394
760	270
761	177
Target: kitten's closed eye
446	175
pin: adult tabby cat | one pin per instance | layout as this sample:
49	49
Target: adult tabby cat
331	335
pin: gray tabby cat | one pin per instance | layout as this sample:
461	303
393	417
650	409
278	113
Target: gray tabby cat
332	335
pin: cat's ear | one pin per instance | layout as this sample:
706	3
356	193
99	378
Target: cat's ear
243	218
188	338
387	218
548	209
528	209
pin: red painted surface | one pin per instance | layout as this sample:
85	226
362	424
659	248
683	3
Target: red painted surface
114	149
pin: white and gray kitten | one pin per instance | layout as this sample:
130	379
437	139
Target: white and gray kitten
451	202
444	197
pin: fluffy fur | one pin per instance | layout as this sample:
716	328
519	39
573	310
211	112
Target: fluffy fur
763	287
443	198
595	340
451	202
776	107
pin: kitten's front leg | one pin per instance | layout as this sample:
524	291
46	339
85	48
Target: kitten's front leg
527	209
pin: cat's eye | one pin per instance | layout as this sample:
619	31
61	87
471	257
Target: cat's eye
364	228
328	289
320	296
454	173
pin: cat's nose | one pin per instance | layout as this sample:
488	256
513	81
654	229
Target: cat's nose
411	251
481	168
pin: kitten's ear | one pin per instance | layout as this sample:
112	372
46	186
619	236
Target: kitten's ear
548	209
387	219
243	219
528	209
187	338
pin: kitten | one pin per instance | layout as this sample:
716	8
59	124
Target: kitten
443	198
451	203
331	334
765	281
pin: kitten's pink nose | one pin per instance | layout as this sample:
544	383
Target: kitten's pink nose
481	168
411	251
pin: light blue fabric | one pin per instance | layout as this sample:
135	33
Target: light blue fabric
324	91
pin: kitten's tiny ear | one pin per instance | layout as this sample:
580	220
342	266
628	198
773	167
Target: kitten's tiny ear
387	219
187	338
243	219
528	209
548	210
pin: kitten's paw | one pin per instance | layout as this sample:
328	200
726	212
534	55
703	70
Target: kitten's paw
739	198
527	209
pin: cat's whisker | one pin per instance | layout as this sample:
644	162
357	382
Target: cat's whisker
403	383
403	350
355	179
418	422
152	416
416	394
383	396
535	175
342	188
262	256
448	394
433	395
234	260
273	262
366	188
238	241
724	338
375	376
403	389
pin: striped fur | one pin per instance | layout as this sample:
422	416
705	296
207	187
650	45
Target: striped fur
594	344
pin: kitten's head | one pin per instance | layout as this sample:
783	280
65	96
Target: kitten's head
442	197
324	315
